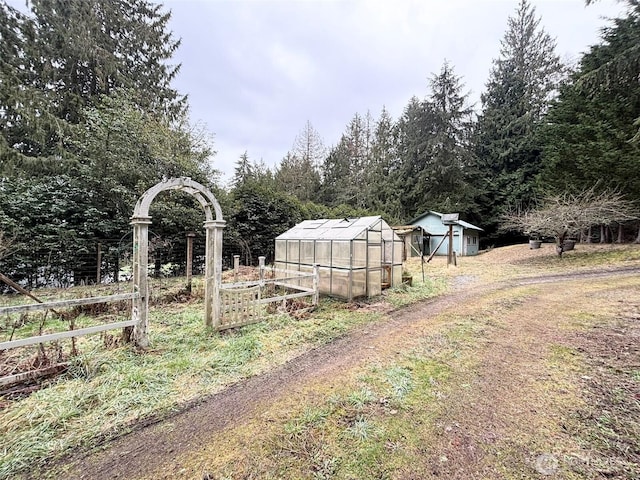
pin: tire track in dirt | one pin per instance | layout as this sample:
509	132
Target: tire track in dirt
164	441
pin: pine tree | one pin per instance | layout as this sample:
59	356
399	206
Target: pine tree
92	47
413	133
298	173
343	172
434	150
383	194
448	187
522	81
63	58
588	137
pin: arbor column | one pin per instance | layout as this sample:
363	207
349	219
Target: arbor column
213	271
140	310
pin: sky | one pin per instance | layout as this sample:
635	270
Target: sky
256	71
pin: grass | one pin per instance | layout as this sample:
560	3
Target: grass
420	290
107	391
359	432
371	425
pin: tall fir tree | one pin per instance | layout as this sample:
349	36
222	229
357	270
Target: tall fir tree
63	57
450	157
434	149
589	131
523	79
298	173
86	104
383	195
343	171
414	128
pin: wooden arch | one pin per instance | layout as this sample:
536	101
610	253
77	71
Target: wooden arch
213	253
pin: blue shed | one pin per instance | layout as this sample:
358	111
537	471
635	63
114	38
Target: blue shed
466	237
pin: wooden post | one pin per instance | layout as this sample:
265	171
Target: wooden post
236	267
433	254
450	249
140	311
99	264
213	272
190	236
261	261
316	283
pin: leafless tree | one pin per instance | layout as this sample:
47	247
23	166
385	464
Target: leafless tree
566	215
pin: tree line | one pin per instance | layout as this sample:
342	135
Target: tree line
89	120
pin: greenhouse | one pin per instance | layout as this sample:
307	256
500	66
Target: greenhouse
357	257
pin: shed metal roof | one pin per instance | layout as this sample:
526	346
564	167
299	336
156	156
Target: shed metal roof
462	223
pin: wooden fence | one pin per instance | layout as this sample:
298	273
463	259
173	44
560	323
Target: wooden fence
242	302
68	333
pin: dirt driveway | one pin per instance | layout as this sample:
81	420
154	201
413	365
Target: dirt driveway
508	395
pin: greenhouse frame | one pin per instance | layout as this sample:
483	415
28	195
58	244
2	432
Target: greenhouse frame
357	257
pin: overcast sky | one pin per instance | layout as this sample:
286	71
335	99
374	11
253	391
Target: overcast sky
257	70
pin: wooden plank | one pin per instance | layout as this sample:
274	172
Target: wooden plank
18	288
284	297
66	334
33	374
295	287
253	283
67	303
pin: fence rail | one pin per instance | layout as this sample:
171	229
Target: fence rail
241	301
69	333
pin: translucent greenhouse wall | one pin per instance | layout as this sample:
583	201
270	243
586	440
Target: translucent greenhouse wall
356	259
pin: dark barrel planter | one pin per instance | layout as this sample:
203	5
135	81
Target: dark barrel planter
534	244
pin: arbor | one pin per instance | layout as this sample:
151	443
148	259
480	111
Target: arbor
564	215
522	81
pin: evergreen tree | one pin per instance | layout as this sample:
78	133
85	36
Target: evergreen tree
32	136
86	107
522	81
589	129
298	173
414	130
383	194
298	177
344	169
63	58
244	171
434	149
92	47
450	158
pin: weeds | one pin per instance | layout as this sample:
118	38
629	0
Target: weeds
108	391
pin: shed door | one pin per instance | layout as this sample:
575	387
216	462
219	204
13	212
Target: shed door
374	271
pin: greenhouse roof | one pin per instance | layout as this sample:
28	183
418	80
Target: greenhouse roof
331	229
